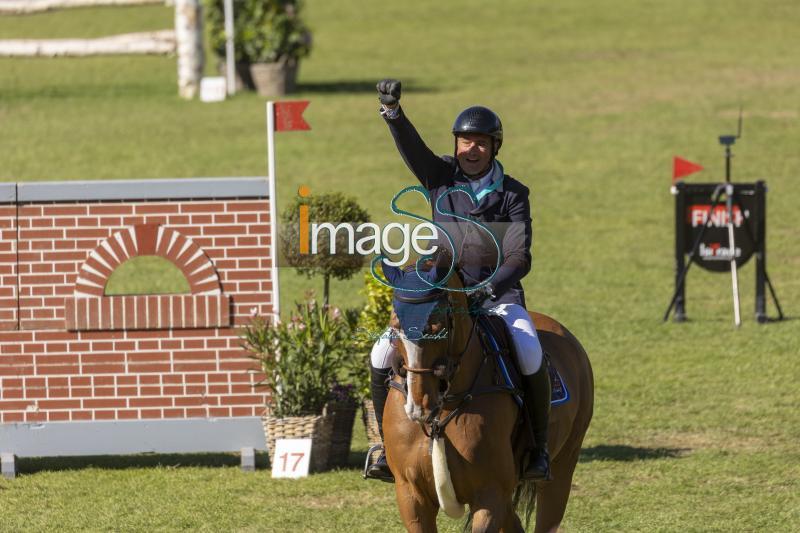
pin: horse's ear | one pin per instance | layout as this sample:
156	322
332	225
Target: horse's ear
393	274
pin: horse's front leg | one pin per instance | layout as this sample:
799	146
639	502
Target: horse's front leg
416	510
490	508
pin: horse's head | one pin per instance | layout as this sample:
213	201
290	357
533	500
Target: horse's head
428	331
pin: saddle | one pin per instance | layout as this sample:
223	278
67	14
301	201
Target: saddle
496	338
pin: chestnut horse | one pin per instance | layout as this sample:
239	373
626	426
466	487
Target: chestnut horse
454	438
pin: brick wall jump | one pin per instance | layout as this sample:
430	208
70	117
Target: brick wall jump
70	352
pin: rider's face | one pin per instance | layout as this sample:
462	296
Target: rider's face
474	152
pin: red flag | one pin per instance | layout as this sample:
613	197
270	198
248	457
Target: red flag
289	116
682	167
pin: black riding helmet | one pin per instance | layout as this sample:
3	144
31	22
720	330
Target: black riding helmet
479	119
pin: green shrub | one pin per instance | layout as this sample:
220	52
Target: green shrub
302	357
265	31
370	322
331	207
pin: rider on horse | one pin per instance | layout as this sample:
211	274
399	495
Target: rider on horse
501	199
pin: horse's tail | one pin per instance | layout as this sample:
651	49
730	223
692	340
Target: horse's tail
525	501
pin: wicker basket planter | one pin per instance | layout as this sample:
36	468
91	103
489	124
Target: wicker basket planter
316	427
370	424
343	415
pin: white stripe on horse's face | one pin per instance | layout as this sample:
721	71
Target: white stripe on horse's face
412	348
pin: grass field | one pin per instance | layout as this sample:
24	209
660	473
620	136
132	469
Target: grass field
696	425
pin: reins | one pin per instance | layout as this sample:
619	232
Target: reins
446	373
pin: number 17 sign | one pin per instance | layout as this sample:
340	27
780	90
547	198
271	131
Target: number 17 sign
292	458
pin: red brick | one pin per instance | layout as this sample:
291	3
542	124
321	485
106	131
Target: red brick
62	210
142	357
149	380
149	367
150	391
12	417
194	367
79	381
240	400
113	209
151	413
105	392
103	380
88	358
190	401
173	390
195	413
126	380
127	391
243	411
81	392
174	413
219	411
39	416
257	206
195	378
173	378
58	416
126	414
105	415
104	403
59	404
81	415
192	207
103	368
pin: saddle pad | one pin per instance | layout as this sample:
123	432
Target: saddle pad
508	365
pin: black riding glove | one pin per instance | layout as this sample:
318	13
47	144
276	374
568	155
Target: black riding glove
389	92
478	296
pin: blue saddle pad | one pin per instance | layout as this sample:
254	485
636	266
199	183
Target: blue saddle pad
508	367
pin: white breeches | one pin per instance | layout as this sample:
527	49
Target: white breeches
527	347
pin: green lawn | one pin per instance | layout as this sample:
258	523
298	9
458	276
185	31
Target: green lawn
696	425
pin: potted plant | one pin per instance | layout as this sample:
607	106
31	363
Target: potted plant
270	38
301	359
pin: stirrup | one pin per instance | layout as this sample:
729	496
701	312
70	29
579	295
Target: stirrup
535	474
370	462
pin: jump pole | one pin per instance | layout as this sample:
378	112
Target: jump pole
273	210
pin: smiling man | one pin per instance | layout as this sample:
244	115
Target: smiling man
501	203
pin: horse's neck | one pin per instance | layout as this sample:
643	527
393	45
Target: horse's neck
467	339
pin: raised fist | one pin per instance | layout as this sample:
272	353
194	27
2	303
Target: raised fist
389	92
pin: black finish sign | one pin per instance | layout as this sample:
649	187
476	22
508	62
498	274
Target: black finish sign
713	250
701	235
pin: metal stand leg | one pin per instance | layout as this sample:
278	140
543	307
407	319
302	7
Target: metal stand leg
248	460
8	461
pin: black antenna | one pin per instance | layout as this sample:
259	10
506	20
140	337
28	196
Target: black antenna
727	141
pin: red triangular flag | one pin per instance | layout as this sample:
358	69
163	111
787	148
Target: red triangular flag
682	167
289	116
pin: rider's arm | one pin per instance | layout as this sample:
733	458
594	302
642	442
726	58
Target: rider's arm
431	170
517	240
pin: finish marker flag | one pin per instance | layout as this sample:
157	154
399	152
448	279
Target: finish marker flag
281	116
289	116
682	167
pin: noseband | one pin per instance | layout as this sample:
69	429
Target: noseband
443	368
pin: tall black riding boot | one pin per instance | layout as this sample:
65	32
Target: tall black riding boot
537	402
378	386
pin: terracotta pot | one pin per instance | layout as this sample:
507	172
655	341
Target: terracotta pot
274	79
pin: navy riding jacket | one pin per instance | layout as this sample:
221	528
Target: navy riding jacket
506	211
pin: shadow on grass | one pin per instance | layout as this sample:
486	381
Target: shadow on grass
354	86
32	465
620	452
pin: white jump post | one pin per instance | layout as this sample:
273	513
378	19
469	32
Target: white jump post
185	40
189	37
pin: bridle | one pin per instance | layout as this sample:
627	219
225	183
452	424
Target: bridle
444	368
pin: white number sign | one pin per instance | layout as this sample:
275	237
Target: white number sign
292	458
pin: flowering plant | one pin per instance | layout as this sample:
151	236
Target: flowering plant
301	357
